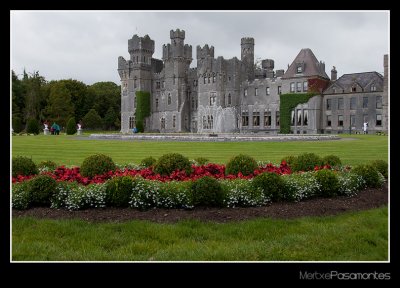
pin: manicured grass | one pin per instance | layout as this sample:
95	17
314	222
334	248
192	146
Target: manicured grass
69	150
356	236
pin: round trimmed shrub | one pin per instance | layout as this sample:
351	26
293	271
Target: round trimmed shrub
71	126
118	191
306	162
381	166
207	191
370	175
148	162
271	184
201	160
241	163
328	181
32	126
23	166
332	160
48	164
96	165
41	189
289	159
168	163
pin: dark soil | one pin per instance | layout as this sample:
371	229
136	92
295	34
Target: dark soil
366	199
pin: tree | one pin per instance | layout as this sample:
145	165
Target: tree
17	124
108	94
18	97
109	119
92	120
71	126
59	107
34	94
32	126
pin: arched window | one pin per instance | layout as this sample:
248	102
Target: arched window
173	121
204	79
162	123
134	83
211	122
229	99
173	81
132	122
169	99
209	79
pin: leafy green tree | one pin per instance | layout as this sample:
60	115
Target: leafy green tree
109	119
107	94
92	120
34	95
32	126
71	126
59	108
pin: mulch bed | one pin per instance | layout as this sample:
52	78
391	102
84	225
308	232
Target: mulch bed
366	199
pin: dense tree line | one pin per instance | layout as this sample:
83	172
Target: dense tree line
96	106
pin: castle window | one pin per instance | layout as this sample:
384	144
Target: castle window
328	104
267	91
305	117
354	89
173	80
292	87
156	103
158	85
378	119
305	86
365	102
134	83
298	86
299	69
353	120
329	120
229	99
340	104
292	118
213	78
256	91
174	43
163	84
267	119
229	78
173	121
245	119
132	122
169	99
135	101
373	88
204	122
162	123
209	79
256	119
194	83
245	92
213	98
333	90
193	103
379	102
210	122
298	117
205	80
277	118
144	59
353	103
279	90
340	121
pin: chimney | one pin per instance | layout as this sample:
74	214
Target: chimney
333	74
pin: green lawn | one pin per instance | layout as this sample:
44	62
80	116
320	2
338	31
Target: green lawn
356	236
69	150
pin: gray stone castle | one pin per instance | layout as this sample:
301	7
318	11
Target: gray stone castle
235	96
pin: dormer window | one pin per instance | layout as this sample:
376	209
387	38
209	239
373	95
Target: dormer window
354	89
373	88
299	69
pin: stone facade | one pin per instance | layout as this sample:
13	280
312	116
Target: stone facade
232	95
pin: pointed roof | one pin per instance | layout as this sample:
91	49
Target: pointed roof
362	79
311	66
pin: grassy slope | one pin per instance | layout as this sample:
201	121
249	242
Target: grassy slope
69	150
348	237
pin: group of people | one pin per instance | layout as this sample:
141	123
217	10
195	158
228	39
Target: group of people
54	129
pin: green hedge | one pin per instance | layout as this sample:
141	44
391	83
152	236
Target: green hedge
142	108
288	102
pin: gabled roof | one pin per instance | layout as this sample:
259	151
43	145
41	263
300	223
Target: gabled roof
363	79
312	66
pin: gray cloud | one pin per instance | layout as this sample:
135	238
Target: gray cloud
85	45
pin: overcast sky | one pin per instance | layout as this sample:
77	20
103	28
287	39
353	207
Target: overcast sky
85	45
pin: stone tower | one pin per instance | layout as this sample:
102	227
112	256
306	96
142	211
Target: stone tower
177	57
247	56
135	76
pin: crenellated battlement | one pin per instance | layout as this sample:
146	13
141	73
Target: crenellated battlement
247	40
177	34
140	43
205	52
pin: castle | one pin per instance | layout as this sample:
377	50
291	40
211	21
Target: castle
235	96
